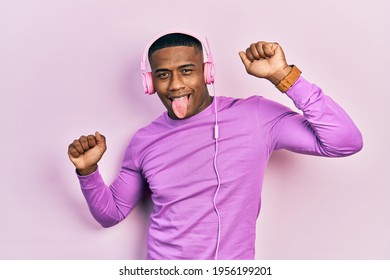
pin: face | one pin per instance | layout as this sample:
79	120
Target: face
179	81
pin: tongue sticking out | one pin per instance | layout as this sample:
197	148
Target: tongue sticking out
179	106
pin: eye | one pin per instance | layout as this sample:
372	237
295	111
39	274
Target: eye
186	71
163	75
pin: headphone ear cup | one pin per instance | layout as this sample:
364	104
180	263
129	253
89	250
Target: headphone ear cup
208	70
148	83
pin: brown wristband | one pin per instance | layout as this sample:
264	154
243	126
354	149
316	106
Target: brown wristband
289	80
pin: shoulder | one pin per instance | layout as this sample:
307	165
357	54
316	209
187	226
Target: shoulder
254	106
154	127
141	138
256	103
233	102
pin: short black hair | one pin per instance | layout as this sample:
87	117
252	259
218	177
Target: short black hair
174	40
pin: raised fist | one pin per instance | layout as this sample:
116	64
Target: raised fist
86	152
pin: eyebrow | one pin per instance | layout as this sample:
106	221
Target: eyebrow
181	66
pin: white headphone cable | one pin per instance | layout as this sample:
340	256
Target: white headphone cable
216	136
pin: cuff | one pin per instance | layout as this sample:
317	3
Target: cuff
90	179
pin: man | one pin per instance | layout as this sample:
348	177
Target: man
207	192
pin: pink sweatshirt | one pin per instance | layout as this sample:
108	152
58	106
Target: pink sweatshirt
174	159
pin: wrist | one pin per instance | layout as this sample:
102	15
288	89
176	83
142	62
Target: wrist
86	171
289	80
278	76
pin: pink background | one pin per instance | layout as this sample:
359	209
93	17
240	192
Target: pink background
69	68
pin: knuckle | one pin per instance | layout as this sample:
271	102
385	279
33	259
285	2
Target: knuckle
73	152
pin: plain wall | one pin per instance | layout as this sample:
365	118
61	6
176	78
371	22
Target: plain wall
69	68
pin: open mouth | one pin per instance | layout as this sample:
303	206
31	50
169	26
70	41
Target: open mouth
180	105
172	98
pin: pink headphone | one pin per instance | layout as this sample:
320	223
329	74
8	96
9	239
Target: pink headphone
208	65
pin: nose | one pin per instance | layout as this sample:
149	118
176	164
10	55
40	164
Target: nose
176	82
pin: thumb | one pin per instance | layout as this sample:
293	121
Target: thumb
245	59
100	139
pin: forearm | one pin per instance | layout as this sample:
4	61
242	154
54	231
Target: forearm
110	205
100	199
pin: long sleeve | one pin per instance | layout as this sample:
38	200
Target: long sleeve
324	129
111	204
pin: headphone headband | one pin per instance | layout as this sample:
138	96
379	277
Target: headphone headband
204	43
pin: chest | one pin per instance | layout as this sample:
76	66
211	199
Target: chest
182	159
